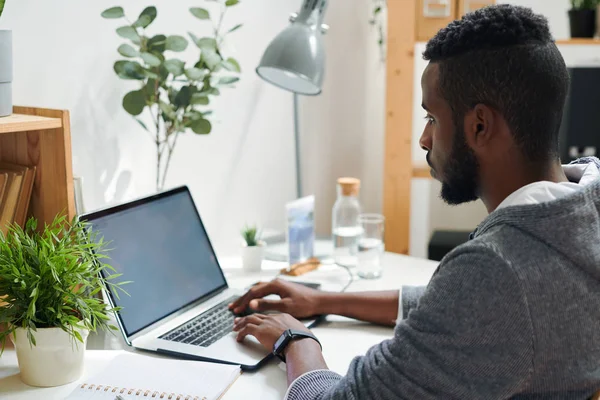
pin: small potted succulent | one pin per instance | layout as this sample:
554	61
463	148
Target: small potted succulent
253	249
582	18
50	285
6	69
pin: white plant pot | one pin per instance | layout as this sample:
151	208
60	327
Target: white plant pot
252	257
6	73
56	359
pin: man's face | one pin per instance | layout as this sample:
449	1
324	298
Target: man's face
451	159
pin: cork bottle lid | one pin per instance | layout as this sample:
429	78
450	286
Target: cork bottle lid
349	186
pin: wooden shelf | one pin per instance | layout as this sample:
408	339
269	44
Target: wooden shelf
584	41
421	171
42	138
26	123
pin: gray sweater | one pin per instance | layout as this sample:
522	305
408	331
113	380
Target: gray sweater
513	313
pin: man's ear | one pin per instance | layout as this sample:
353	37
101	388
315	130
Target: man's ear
478	126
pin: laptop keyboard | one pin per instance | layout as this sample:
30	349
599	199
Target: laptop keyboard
206	328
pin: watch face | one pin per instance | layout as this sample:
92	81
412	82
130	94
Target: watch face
280	341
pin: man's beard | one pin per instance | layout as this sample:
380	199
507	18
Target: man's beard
461	172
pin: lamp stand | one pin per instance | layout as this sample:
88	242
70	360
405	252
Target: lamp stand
299	192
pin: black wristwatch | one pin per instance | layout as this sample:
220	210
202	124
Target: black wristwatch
285	339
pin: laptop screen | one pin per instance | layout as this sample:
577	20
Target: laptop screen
161	246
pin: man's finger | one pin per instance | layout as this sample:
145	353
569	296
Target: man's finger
249	329
242	322
268	305
257	292
244	298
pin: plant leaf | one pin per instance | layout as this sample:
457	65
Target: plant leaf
235	28
129	32
194	74
211	58
127	50
200	99
110	13
134	102
174	66
142	124
183	98
129	70
176	43
200	13
228	80
146	17
157	43
231	64
150	59
201	126
230	3
207	43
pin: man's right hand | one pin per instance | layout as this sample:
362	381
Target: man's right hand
297	300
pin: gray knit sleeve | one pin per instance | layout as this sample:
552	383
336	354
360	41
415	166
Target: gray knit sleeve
410	298
450	346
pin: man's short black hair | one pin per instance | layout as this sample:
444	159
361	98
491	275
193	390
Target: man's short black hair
505	57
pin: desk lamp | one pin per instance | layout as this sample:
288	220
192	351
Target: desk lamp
295	61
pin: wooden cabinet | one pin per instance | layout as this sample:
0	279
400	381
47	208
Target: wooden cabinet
433	15
42	138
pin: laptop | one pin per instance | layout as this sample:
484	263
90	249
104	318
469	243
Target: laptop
178	297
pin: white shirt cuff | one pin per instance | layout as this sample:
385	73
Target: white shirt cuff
301	376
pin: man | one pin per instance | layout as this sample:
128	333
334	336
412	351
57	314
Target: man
514	312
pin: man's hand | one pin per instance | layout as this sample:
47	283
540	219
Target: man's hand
297	300
266	328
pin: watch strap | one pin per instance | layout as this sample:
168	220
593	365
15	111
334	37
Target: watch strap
291	335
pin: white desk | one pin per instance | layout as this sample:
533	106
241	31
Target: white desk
342	338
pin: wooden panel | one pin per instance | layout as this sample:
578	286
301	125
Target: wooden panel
50	151
426	27
421	171
466	6
22	123
398	132
585	41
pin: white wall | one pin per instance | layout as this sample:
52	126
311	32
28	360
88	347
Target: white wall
428	212
244	171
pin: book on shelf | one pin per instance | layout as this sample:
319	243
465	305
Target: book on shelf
16	188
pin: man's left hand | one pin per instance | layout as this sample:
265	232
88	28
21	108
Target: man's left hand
266	328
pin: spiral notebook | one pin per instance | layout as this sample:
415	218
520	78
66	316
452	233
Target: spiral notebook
133	376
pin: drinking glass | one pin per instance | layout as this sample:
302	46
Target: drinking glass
370	246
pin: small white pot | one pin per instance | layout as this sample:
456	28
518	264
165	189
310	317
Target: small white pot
252	257
56	359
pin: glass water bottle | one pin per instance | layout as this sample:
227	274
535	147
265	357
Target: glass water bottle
346	229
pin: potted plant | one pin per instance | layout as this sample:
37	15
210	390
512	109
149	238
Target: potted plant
582	18
6	68
172	97
253	249
49	283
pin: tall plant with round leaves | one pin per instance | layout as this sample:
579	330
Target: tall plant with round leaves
174	94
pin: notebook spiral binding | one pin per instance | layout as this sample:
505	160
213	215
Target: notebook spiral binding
140	392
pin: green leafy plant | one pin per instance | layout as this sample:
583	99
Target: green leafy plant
584	4
378	21
52	278
2	2
174	94
251	236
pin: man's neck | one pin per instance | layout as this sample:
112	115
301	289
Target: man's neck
501	183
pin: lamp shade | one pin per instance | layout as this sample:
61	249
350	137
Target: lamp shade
295	59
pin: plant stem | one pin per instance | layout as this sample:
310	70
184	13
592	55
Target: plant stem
171	149
158	151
